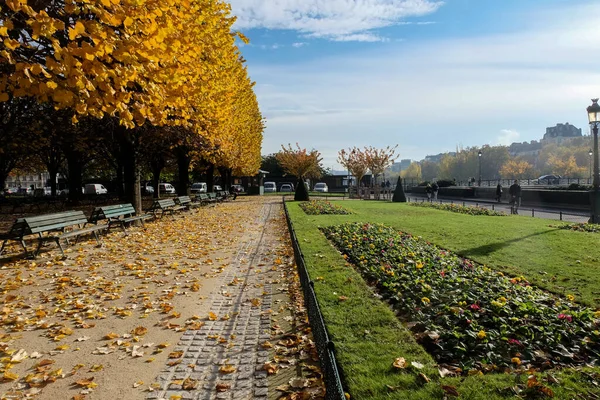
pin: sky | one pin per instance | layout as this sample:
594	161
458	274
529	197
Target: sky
430	76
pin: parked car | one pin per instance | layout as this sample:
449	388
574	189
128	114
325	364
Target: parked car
147	188
286	187
94	188
270	187
166	188
321	187
25	191
286	183
11	190
548	180
217	188
238	188
198	187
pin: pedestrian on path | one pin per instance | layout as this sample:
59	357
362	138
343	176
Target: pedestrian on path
498	192
428	190
435	189
515	197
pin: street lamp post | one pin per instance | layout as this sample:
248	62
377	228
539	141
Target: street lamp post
590	153
479	158
594	120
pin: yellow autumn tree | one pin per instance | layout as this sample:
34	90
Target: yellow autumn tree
355	161
302	164
516	169
379	159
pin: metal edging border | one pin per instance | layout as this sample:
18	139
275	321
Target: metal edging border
325	347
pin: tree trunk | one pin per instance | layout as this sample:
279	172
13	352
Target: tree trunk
301	192
53	172
129	146
5	167
210	178
183	168
75	167
224	181
120	182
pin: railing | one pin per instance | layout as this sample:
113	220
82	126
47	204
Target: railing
507	182
571	216
325	347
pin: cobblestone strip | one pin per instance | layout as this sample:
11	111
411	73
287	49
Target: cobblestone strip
232	342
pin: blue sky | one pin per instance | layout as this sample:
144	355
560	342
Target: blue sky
426	75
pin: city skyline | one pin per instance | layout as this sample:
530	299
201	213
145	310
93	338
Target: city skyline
429	76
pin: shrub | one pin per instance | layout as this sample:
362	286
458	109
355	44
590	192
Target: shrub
445	183
322	207
471	210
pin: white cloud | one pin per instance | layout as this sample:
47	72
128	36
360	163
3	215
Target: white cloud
429	96
330	19
299	44
507	136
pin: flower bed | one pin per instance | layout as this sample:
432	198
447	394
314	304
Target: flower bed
466	315
321	207
594	228
471	210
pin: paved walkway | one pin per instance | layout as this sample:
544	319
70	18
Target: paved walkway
226	352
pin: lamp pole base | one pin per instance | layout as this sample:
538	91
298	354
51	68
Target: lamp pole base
595	206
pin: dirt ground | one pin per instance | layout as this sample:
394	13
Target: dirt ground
103	323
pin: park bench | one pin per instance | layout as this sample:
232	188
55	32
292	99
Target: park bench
119	214
186	202
54	226
213	197
164	206
223	195
203	199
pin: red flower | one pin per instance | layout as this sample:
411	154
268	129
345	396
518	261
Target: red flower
474	307
565	316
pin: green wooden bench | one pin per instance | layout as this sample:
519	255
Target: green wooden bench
213	197
186	202
119	214
203	199
164	206
54	226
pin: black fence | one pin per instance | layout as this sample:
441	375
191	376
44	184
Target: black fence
561	215
325	347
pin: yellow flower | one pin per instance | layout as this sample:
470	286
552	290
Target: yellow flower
570	297
516	360
597	314
425	300
419	265
481	334
349	246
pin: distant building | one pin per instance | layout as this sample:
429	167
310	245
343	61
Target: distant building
35	180
400	166
561	132
520	149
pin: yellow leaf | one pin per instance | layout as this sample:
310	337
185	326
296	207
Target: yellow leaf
76	31
110	336
139	331
227	369
9	376
128	21
212	316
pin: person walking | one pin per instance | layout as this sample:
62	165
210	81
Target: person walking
434	189
515	197
428	190
498	192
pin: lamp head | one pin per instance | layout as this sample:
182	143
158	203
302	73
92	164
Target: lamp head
594	112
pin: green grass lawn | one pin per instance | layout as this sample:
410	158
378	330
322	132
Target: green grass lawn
369	337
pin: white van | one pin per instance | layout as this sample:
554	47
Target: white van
270	187
166	188
198	187
94	188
